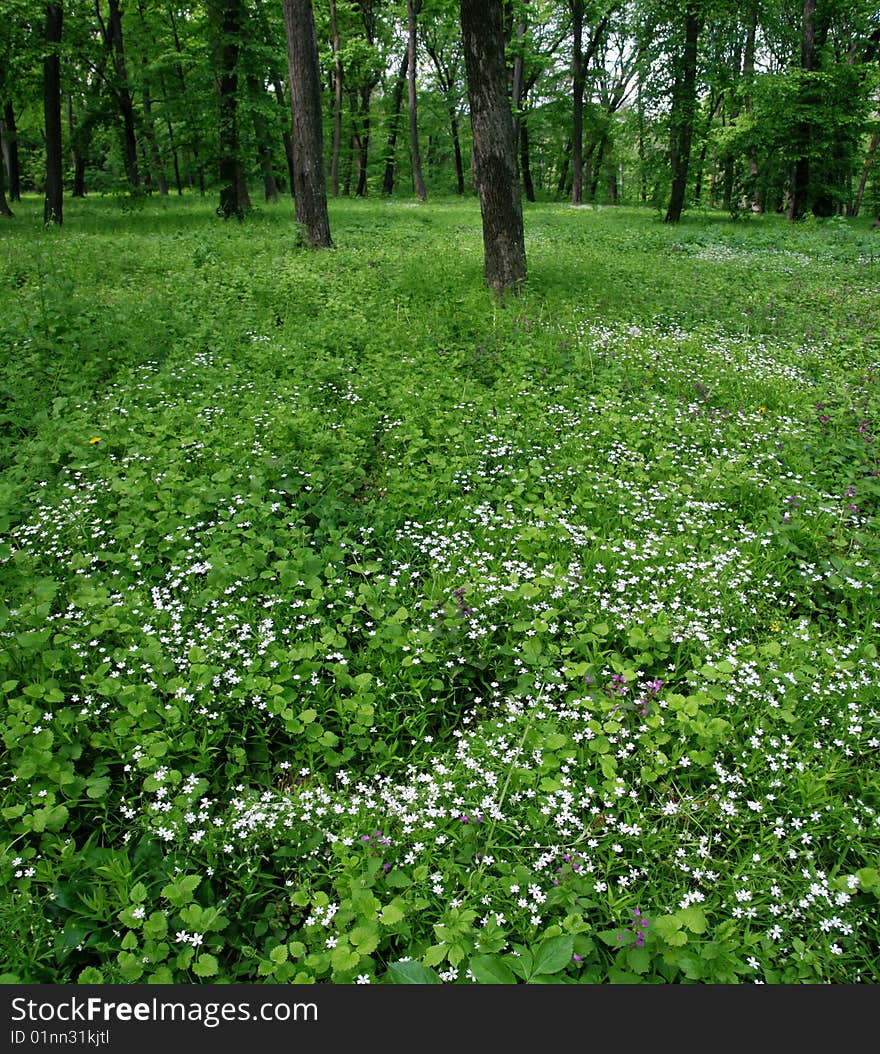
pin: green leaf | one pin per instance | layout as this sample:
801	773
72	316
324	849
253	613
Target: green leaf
436	954
554	954
391	914
98	787
411	972
694	918
638	960
206	966
490	969
181	890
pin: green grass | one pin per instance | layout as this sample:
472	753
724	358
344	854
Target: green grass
357	626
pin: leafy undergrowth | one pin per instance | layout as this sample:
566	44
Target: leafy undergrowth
358	628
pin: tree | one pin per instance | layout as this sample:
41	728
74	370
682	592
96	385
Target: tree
483	36
10	151
310	191
53	204
228	19
684	105
121	90
5	210
412	9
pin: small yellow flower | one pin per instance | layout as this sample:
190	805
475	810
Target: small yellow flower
762	409
95	439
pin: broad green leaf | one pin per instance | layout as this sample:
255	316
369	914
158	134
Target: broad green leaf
411	972
694	918
490	969
205	966
554	954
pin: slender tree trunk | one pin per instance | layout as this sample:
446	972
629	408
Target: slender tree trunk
5	210
456	149
363	138
482	27
517	91
337	102
684	101
286	137
577	122
195	141
748	77
10	152
53	206
153	143
394	126
525	165
562	182
171	140
863	180
308	147
415	151
264	144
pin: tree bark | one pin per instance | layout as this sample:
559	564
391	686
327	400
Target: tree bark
577	120
310	191
337	102
525	164
863	180
10	152
286	137
53	205
684	101
482	26
5	210
394	126
415	151
122	93
812	37
264	143
228	19
195	141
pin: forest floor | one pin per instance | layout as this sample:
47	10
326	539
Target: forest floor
359	627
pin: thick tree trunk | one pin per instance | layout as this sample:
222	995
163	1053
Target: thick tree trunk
482	26
310	190
394	126
122	92
802	198
684	101
53	205
10	152
415	151
227	16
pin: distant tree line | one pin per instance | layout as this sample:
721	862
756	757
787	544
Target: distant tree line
760	105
